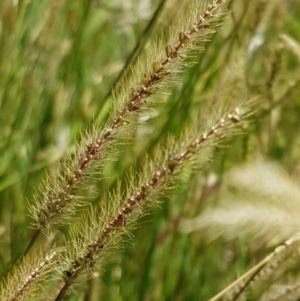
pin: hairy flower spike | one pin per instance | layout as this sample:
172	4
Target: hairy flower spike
127	209
288	251
145	83
28	278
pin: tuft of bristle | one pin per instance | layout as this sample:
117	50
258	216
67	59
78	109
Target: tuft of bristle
27	280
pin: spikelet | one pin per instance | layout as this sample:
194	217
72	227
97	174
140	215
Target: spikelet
27	281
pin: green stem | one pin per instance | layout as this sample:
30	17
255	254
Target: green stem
79	34
32	241
63	291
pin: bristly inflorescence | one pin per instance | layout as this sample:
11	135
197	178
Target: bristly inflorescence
283	257
97	240
180	173
25	281
55	203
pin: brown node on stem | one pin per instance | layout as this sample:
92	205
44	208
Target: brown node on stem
172	162
120	220
126	210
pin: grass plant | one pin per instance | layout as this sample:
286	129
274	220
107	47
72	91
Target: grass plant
149	150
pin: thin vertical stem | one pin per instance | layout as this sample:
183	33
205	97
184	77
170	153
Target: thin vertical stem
32	241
